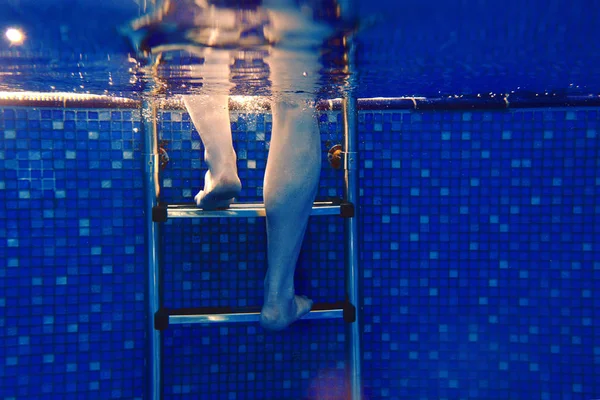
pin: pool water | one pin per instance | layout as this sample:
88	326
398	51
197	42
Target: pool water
404	48
478	218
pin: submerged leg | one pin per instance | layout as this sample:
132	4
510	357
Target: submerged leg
210	115
291	182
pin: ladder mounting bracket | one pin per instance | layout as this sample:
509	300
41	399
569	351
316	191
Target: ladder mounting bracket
349	312
346	209
159	213
161	319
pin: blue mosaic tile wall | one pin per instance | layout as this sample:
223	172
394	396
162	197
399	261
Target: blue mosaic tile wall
481	254
71	255
479	248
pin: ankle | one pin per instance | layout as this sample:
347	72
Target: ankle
223	160
277	294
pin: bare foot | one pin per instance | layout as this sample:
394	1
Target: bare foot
218	192
278	315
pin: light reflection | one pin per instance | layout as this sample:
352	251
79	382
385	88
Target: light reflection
15	36
249	103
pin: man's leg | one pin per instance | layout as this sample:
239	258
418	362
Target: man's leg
291	182
210	115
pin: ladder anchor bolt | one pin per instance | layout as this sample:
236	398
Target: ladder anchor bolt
334	156
163	156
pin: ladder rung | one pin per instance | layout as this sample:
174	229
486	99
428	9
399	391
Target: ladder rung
240	210
166	317
245	317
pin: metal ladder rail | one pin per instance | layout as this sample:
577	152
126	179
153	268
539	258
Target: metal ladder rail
349	10
155	212
154	293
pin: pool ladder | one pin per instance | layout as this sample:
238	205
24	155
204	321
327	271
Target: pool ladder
160	318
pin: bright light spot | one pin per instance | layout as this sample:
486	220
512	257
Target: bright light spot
245	100
248	103
15	36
